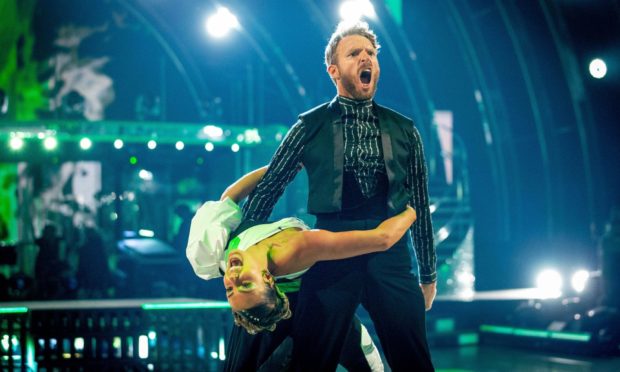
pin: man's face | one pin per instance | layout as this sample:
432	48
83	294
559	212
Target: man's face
356	69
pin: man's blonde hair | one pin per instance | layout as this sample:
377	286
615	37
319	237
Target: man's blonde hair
343	30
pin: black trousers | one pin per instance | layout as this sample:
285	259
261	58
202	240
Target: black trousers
383	283
272	351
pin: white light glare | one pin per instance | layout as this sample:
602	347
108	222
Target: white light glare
147	234
86	143
118	144
235	147
151	144
143	347
179	145
354	10
549	282
579	280
16	143
50	143
219	24
209	146
145	175
252	136
78	344
598	68
213	131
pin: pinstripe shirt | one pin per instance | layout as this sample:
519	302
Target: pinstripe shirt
362	144
287	159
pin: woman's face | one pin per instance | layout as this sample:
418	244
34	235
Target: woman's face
244	281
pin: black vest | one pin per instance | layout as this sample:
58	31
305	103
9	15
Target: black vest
323	156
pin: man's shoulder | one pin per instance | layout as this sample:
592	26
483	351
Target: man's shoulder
393	115
315	112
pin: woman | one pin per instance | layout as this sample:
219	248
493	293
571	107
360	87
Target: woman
262	263
259	255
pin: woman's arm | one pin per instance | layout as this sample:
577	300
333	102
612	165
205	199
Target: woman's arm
323	245
244	185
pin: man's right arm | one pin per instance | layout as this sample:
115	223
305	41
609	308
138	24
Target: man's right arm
282	169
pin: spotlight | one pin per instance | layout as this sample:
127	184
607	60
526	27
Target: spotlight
219	24
598	68
580	280
16	143
147	234
549	282
213	131
354	10
151	144
179	145
85	143
118	144
145	175
50	143
235	147
209	146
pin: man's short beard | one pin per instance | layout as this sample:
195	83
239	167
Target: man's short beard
349	86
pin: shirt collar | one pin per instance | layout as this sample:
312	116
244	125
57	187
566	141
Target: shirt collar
355	103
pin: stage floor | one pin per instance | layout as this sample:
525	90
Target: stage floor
500	359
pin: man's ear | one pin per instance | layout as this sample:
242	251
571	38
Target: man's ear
333	72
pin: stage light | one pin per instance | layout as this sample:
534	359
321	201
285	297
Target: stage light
235	147
151	145
133	160
222	349
213	131
598	68
209	146
50	143
579	280
179	145
147	234
78	344
549	282
219	24
443	233
145	175
16	143
354	10
143	347
86	143
118	144
252	136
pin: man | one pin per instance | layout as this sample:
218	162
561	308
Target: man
364	162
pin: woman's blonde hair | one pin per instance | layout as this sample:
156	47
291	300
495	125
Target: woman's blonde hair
263	317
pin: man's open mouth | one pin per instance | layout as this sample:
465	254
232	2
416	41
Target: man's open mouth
365	76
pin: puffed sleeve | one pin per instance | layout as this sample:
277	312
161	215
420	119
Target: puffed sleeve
208	236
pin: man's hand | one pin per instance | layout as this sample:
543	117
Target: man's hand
429	291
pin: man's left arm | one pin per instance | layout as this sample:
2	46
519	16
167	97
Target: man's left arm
422	229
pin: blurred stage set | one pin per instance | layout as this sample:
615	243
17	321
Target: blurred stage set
118	118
